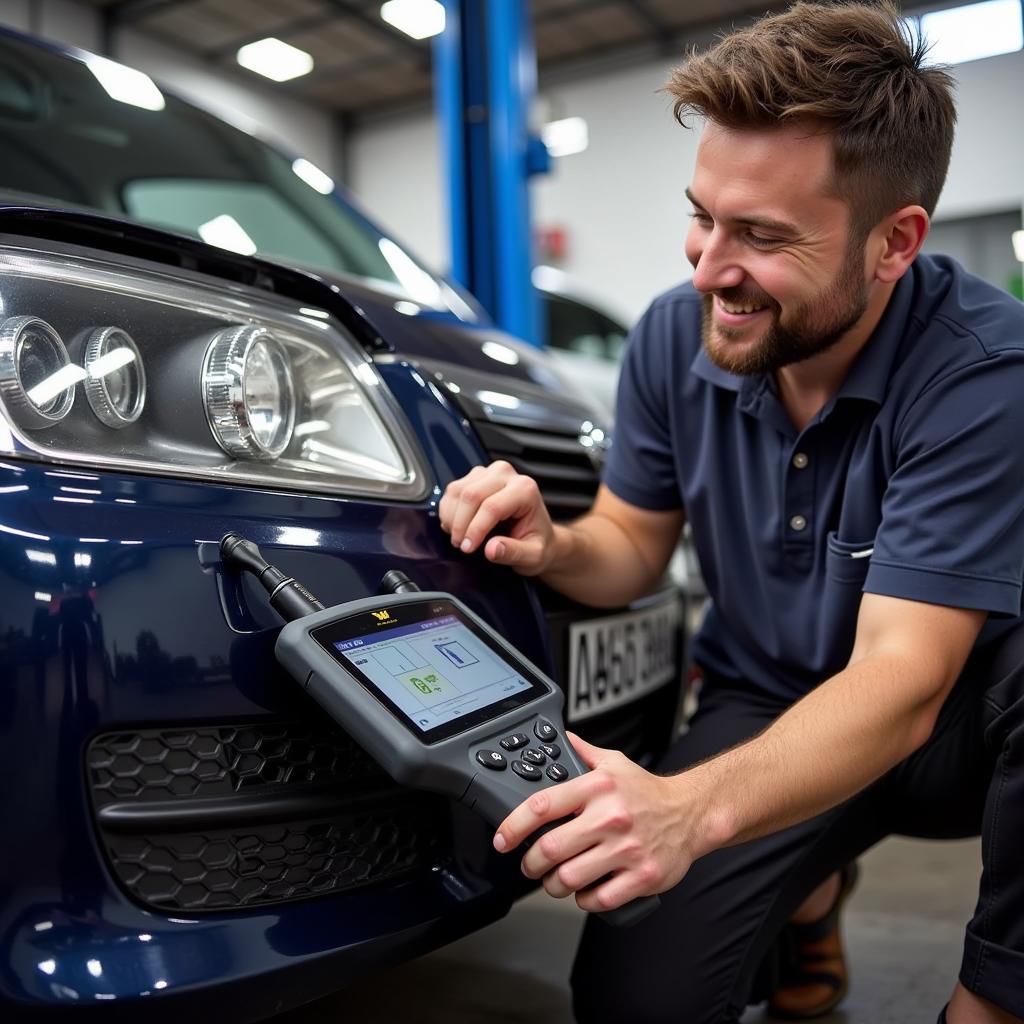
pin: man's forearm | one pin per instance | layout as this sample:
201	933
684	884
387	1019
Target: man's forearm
823	750
596	562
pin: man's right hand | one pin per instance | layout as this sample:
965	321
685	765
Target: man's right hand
475	504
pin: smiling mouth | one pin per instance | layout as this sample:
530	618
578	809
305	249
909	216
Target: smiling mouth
738	310
742	309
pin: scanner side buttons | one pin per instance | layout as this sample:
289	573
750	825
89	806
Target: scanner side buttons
492	759
526	771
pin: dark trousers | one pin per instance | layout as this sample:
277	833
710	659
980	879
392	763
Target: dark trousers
698	959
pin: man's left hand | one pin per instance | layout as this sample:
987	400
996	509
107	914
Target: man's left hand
624	822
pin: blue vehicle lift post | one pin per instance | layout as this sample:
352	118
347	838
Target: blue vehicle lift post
485	75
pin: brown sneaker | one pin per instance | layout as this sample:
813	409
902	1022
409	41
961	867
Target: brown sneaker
814	978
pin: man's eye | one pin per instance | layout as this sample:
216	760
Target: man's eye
760	242
701	218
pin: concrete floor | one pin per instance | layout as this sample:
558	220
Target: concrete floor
903	926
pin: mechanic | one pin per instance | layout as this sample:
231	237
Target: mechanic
840	419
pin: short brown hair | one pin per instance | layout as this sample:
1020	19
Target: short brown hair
855	70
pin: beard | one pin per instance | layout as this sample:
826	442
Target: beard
813	328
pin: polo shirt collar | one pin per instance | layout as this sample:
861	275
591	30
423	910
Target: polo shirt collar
871	372
714	374
868	377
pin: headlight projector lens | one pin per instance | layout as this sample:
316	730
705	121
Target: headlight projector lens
248	392
115	382
37	378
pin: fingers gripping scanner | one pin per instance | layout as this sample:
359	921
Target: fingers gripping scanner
428	690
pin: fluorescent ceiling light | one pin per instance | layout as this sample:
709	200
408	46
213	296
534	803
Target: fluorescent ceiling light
313	176
124	84
565	137
275	59
417	18
226	233
961	34
1018	245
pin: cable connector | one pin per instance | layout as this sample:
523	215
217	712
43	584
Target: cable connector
289	598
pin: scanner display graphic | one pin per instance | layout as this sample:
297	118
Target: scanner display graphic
434	671
429	690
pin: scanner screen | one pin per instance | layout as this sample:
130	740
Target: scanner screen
435	671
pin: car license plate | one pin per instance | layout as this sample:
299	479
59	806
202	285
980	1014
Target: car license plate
616	659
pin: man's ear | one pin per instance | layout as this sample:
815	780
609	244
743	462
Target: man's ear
899	239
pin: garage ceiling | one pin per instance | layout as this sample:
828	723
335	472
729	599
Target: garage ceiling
363	65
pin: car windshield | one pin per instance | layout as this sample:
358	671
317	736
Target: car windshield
78	131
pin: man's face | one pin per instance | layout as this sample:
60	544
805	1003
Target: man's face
771	248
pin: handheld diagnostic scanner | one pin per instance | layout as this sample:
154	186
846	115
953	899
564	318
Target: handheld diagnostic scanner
429	690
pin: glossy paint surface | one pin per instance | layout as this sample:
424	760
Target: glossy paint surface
111	617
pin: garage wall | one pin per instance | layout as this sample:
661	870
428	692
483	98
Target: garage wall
296	126
621	201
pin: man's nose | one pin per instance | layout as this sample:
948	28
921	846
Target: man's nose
715	266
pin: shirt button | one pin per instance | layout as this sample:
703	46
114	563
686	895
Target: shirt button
797	522
800	460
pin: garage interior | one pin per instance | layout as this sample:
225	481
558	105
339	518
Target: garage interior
610	216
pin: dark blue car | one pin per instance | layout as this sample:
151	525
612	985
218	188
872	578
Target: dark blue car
197	335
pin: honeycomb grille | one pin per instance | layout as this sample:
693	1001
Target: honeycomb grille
213	761
223	869
300	811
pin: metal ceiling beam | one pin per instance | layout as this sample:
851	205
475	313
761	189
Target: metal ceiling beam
124	12
127	12
571	7
382	29
352	67
399	42
659	29
291	28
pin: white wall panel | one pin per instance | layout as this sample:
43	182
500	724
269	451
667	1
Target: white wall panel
394	172
621	201
986	172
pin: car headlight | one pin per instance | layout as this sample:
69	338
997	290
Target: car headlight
191	377
115	381
247	383
35	383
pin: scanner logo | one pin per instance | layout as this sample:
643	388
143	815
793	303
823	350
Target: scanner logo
382	616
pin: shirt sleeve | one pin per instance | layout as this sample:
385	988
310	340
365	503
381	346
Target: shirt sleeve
952	529
641	466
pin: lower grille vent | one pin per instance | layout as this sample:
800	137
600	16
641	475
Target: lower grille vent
245	815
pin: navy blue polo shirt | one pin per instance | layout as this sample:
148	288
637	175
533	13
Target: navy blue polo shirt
909	482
